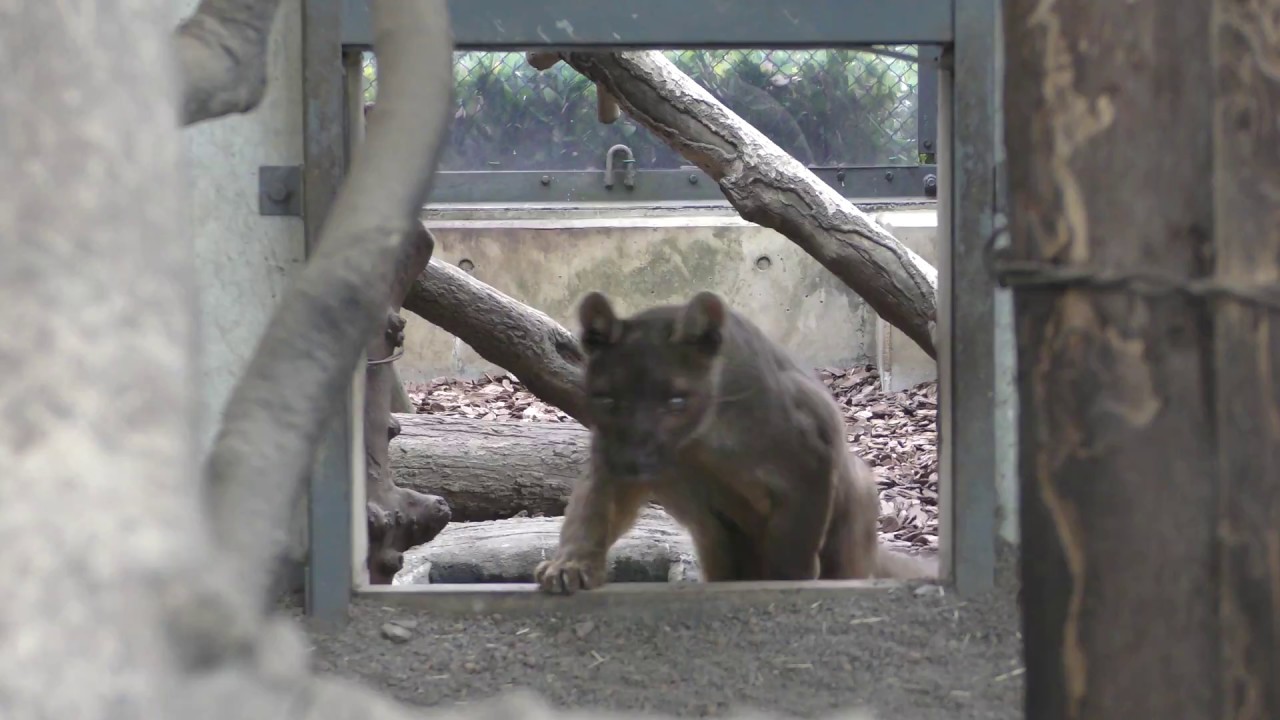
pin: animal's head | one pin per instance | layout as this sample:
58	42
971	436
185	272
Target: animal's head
651	379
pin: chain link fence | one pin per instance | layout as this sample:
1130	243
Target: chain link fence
825	107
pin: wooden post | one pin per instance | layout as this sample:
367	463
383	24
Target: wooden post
1110	158
1246	247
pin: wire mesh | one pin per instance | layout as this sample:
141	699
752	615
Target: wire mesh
825	107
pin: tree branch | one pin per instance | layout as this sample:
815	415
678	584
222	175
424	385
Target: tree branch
521	339
274	418
398	517
222	57
769	187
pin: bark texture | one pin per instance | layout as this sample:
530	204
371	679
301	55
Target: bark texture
1117	455
521	339
657	549
99	514
1246	252
222	57
490	470
398	518
769	187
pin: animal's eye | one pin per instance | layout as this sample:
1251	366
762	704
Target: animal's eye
677	403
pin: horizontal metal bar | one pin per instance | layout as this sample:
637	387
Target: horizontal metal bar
524	186
673	24
519	598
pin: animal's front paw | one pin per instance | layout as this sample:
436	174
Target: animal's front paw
565	576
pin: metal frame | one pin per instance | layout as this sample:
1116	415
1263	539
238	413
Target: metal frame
962	30
646	24
876	182
689	184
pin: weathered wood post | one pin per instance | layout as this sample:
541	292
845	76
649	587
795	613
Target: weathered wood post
1245	296
1142	148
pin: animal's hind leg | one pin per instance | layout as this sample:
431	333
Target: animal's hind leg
849	552
725	553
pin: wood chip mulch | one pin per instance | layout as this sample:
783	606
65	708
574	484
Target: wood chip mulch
895	432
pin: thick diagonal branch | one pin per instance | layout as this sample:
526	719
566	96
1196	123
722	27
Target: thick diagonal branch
273	421
521	339
769	187
222	57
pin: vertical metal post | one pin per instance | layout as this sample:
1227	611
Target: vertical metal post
328	591
1006	354
966	324
927	100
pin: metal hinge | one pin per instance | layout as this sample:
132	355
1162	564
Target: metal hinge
280	190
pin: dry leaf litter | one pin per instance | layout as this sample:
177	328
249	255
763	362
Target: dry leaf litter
895	432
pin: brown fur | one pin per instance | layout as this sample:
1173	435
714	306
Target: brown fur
692	406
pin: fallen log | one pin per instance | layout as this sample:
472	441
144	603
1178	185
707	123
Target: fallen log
489	470
657	549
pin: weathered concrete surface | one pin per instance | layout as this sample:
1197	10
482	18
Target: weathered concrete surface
244	260
644	258
901	362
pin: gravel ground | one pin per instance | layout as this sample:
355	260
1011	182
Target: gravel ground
897	652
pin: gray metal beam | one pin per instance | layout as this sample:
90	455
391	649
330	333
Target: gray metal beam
328	586
966	367
927	99
634	24
521	186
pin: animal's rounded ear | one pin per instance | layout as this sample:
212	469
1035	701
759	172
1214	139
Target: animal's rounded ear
600	325
702	321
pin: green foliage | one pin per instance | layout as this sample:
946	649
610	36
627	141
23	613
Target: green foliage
825	107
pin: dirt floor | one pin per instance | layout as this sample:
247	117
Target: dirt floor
901	653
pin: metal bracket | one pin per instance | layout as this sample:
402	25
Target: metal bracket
280	190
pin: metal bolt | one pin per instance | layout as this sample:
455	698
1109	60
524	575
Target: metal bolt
928	144
545	180
693	179
931	185
889	176
278	192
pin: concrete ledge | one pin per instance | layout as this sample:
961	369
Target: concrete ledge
525	597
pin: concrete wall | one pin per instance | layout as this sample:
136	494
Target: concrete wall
244	259
641	258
